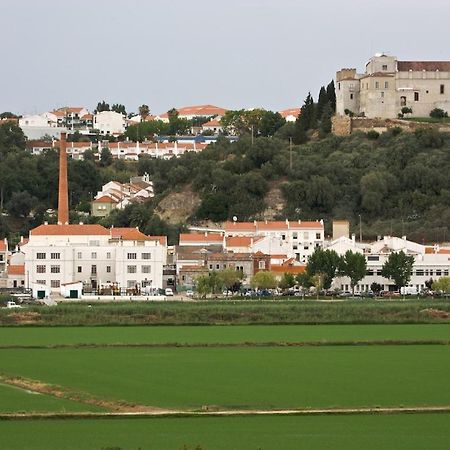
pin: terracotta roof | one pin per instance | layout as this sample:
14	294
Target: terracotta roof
16	270
305	224
200	237
198	110
287	269
69	230
105	199
238	241
2	245
162	239
87	116
78	145
429	66
212	123
129	234
240	226
290	112
272	225
39	144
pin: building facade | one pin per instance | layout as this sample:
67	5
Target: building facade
387	85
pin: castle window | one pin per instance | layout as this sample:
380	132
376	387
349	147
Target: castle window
382	94
384	66
377	85
386	84
351	96
416	96
442	89
339	86
402	101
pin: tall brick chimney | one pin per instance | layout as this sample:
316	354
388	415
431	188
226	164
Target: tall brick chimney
63	192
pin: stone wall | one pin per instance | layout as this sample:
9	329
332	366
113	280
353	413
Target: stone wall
341	125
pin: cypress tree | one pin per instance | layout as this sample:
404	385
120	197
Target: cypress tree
325	120
331	93
323	100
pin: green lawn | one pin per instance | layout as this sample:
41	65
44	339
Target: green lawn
266	377
219	334
13	399
395	432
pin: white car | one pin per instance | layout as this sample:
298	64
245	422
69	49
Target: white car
169	292
189	293
13	305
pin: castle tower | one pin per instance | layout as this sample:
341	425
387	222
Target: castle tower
63	192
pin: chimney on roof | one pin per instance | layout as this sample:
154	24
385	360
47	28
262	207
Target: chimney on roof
63	192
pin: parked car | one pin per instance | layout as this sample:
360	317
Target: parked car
12	305
189	293
168	292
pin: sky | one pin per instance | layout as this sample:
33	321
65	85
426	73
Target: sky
230	53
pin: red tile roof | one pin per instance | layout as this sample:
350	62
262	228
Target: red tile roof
429	66
162	239
238	241
290	112
129	234
2	246
105	199
69	230
199	110
200	237
16	269
212	123
287	269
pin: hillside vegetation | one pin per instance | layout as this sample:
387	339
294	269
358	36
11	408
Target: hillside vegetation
398	182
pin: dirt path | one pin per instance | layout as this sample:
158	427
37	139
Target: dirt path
228	413
40	387
229	345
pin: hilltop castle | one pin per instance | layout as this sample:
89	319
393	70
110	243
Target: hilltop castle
388	85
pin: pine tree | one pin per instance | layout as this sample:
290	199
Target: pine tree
325	120
323	100
331	95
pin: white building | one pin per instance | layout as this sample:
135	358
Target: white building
96	256
109	122
429	262
290	115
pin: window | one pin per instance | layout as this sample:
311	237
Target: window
373	258
402	101
294	235
318	236
131	269
94	255
94	243
55	255
108	255
445	273
40	255
306	247
442	89
305	235
55	283
382	95
93	270
384	67
79	269
416	96
41	282
369	272
131	256
295	247
351	96
339	86
377	85
80	255
283	237
108	269
40	269
210	267
386	84
146	269
146	256
55	269
131	284
217	266
262	265
438	273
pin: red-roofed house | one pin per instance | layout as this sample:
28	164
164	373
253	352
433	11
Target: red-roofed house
201	239
189	112
213	125
290	115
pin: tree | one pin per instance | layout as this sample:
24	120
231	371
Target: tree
203	285
304	280
317	281
231	278
144	112
264	280
102	106
322	101
354	266
398	268
442	285
376	288
305	121
106	157
287	281
324	262
438	113
119	108
325	120
331	94
21	204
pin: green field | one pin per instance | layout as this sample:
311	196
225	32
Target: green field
29	336
17	400
243	377
394	432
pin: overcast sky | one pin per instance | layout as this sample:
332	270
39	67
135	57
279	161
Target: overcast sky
172	53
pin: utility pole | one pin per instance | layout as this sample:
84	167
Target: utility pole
290	153
253	137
